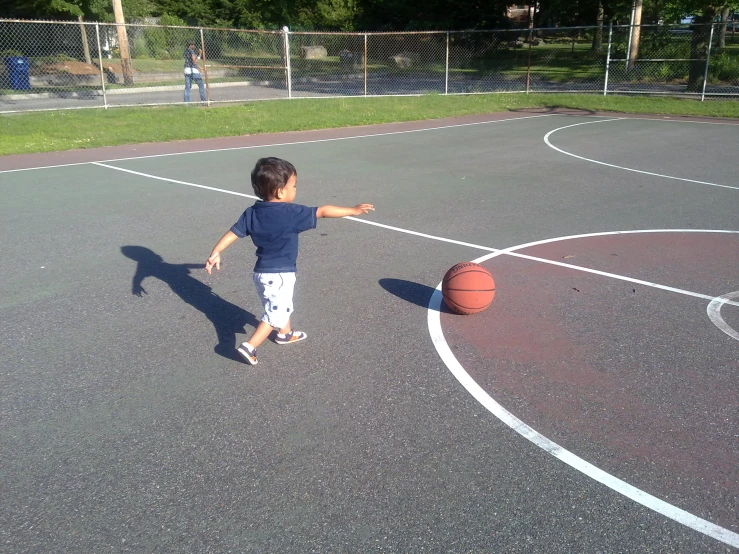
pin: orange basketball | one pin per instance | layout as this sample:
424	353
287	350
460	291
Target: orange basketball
468	288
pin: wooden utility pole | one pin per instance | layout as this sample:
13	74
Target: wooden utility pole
635	33
123	44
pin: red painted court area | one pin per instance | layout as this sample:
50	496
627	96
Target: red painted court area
634	379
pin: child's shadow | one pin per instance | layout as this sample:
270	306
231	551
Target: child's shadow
228	319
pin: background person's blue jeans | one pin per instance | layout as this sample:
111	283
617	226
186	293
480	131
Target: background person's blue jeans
188	85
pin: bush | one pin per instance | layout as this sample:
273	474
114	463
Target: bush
724	67
140	49
10	53
164	43
156	41
669	71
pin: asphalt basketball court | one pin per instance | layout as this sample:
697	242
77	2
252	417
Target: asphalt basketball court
591	408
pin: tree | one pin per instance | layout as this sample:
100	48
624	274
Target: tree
598	35
331	15
699	44
417	15
725	12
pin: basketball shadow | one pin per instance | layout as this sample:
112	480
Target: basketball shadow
227	318
415	293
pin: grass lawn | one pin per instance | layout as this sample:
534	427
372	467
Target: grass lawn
65	130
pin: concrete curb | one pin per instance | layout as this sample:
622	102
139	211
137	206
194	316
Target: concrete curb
114	92
163	88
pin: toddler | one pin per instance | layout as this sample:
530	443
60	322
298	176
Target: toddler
273	225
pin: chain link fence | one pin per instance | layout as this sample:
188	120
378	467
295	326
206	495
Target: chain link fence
69	65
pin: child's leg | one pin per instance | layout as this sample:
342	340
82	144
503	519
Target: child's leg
263	331
276	292
260	334
248	350
286	329
276	296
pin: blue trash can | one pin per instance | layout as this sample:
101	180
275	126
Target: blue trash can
17	67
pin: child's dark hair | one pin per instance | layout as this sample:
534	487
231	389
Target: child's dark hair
270	175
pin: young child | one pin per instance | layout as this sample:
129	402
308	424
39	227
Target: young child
273	225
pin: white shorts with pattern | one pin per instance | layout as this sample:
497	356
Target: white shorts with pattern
276	291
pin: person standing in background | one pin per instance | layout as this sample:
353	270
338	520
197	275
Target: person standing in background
192	71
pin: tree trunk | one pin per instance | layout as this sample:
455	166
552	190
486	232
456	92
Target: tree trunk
699	49
85	44
722	27
598	37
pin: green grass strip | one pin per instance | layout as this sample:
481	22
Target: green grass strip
73	129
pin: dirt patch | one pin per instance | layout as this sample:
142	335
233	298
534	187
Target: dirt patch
76	68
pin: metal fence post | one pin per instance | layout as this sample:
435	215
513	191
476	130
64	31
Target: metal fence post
446	66
708	61
608	58
528	67
365	64
205	67
288	76
100	61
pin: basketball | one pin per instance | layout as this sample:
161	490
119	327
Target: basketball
468	288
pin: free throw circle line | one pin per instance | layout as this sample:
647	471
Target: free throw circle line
714	313
549	143
512	252
614	483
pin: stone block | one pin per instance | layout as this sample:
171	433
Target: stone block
313	52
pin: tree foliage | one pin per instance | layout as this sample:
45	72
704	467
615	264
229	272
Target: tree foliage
365	15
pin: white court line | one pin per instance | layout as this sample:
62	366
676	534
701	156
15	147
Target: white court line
548	142
645	499
666	119
477	246
437	336
714	313
282	143
512	253
355	137
101	164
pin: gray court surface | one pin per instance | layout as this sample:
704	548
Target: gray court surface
130	425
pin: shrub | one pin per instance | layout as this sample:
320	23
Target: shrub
140	49
724	67
166	43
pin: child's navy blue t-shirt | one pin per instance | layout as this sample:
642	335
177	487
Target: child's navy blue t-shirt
273	228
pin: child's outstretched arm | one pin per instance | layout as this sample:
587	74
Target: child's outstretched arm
215	256
341	211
